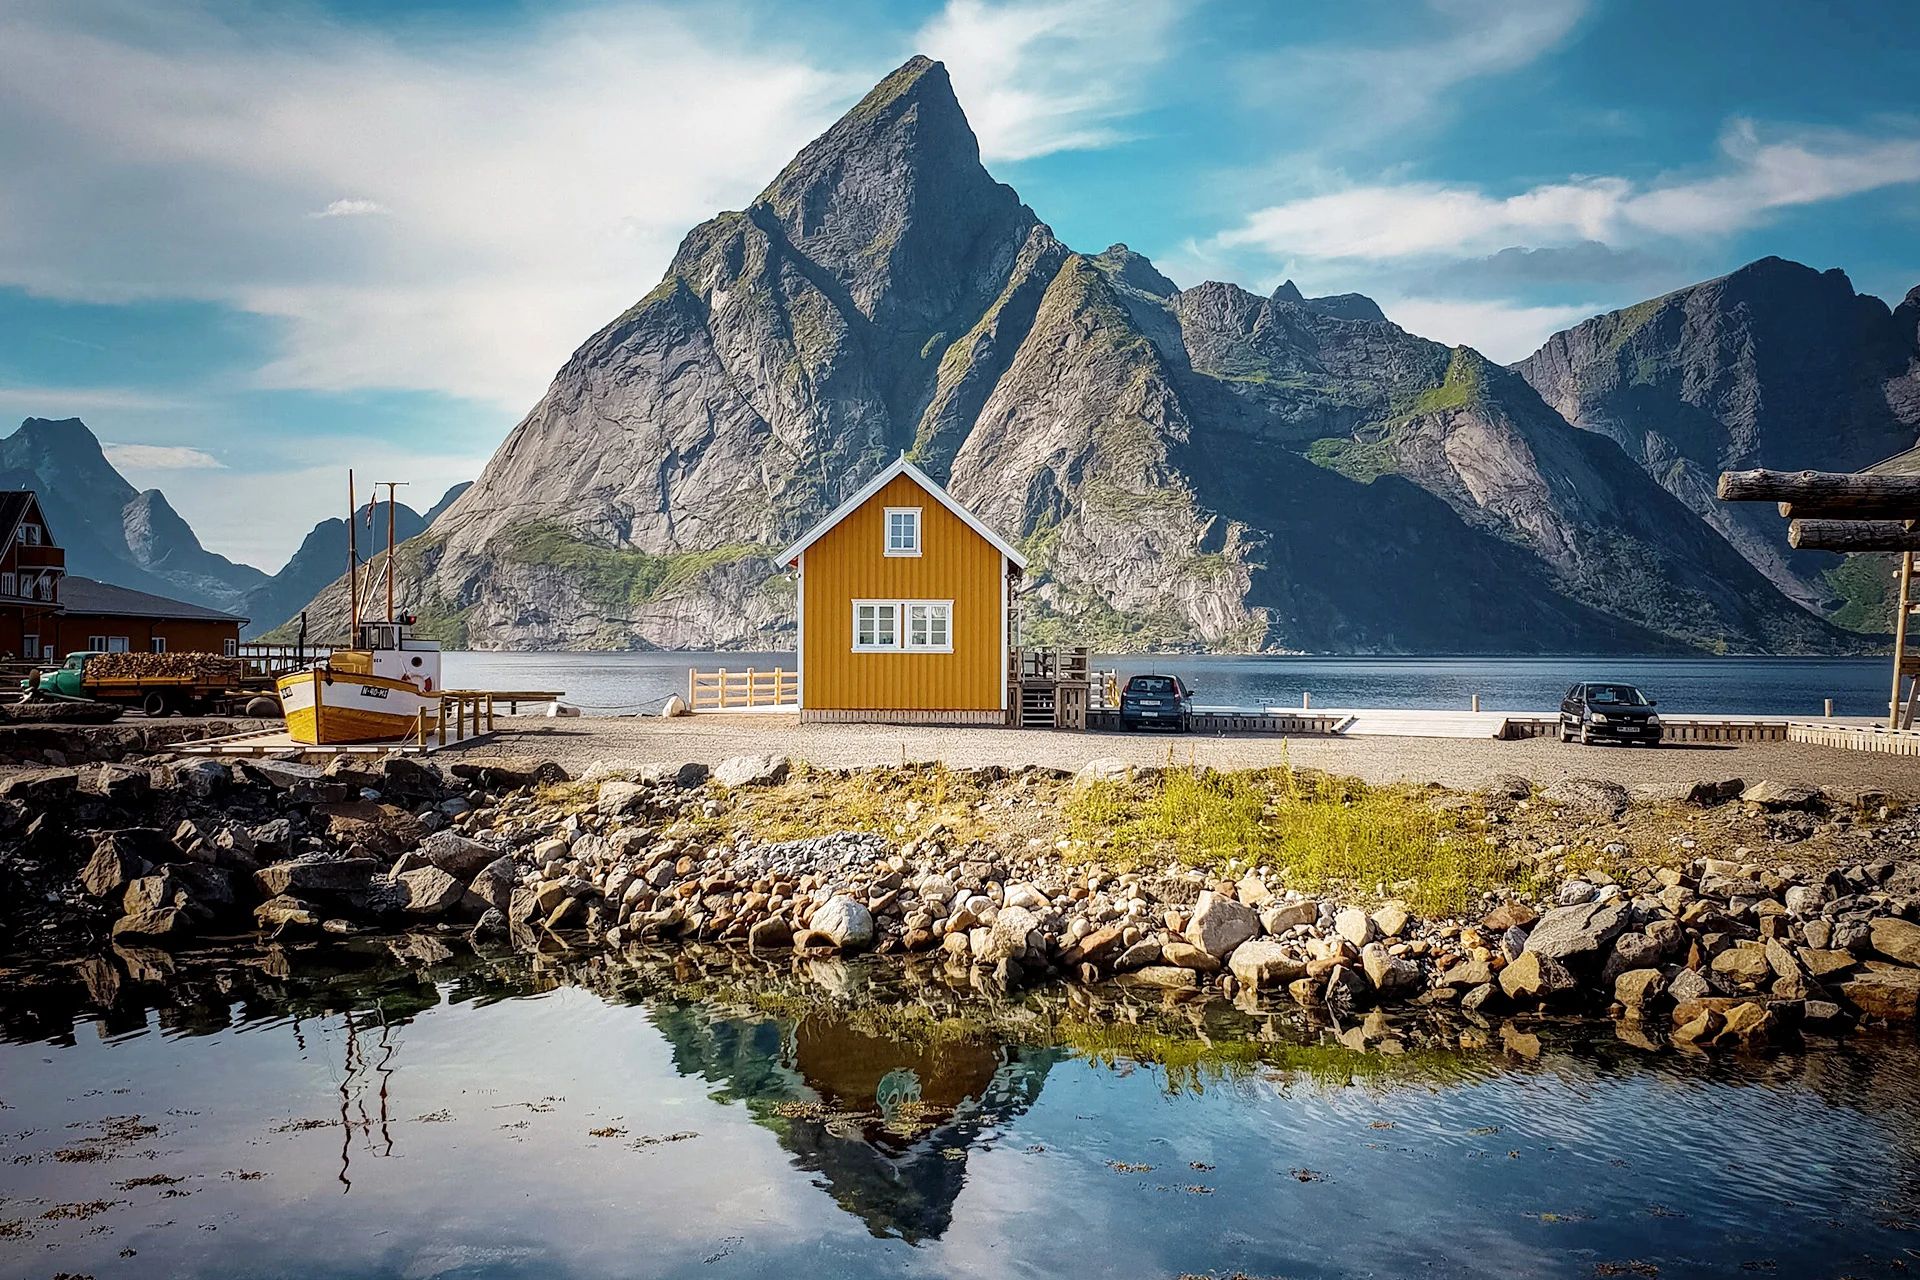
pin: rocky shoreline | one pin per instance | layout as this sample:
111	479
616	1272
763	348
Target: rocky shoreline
973	870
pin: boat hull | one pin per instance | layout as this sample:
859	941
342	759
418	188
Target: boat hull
328	707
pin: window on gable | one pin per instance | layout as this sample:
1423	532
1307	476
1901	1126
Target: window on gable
903	531
30	534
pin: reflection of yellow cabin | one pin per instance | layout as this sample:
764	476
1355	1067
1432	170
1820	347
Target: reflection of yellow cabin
904	608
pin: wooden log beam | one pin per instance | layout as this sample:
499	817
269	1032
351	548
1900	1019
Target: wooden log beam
1852	535
1826	494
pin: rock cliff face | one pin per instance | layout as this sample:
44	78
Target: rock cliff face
1199	468
1776	365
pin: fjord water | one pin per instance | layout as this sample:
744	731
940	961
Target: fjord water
375	1110
614	683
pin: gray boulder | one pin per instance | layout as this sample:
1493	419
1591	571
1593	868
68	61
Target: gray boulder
430	891
457	855
846	922
689	774
1594	796
1570	932
751	771
1260	963
1221	924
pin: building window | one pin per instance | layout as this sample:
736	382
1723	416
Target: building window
30	646
30	535
46	586
9	584
903	531
116	644
159	644
930	625
97	644
894	625
231	648
876	625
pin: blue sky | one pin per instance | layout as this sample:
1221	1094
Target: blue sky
252	244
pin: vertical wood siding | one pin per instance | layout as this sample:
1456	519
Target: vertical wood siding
849	563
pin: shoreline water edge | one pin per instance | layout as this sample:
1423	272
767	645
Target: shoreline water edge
1697	916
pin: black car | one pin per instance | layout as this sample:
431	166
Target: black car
1603	711
1156	700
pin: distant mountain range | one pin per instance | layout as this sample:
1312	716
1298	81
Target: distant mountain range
133	538
1205	468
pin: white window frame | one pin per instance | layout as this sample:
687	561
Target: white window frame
30	534
117	644
943	609
902	639
159	644
229	648
886	532
891	645
97	644
9	584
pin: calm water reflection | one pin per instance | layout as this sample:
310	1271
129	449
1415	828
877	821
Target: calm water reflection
412	1109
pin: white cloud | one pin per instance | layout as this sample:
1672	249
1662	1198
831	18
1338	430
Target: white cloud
160	457
1501	331
1383	89
530	183
350	209
69	402
1050	75
1423	220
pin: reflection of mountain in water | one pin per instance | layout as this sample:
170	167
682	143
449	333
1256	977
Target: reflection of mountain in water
885	1125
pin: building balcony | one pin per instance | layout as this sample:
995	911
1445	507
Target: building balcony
41	557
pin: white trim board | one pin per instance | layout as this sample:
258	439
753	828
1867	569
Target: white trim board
901	467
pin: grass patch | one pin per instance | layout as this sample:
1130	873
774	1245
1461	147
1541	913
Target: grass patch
1365	461
618	579
916	797
1320	833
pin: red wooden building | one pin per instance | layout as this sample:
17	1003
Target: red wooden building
31	567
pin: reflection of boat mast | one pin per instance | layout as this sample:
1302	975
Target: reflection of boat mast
353	1062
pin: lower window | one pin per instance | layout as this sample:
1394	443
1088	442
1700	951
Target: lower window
895	625
159	644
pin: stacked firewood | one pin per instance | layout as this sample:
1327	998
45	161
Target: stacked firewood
201	668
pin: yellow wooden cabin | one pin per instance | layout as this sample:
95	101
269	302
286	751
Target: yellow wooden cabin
905	613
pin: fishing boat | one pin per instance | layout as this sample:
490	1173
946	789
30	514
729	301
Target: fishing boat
377	689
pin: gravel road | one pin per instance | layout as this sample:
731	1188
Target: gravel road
1452	762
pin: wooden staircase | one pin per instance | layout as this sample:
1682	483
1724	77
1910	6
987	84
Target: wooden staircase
1036	706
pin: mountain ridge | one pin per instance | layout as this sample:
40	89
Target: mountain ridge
1186	468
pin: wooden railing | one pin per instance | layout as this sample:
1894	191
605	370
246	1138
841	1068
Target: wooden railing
277	659
725	690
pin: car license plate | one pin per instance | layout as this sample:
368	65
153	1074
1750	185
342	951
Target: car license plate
1149	713
1629	728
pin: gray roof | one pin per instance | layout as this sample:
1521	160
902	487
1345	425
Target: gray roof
84	595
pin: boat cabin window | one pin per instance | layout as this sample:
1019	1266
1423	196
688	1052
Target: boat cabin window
379	636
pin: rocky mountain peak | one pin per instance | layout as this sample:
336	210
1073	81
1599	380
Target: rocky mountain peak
1135	270
893	200
1906	318
1288	292
62	453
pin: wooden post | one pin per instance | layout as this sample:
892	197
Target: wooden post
749	686
489	713
1900	637
1828	713
440	719
723	688
1476	702
689	688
